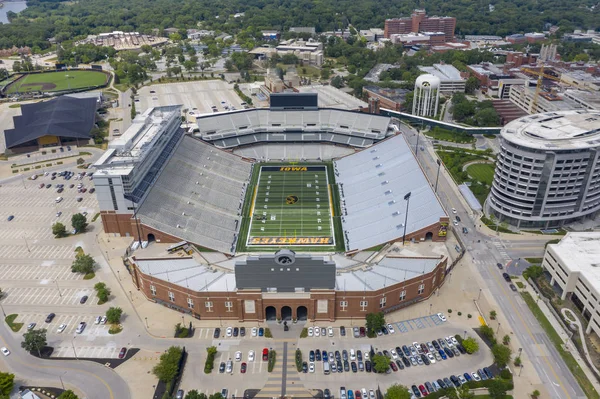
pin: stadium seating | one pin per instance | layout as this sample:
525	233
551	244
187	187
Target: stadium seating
373	183
198	196
228	130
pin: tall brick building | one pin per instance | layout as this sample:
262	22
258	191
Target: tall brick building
420	22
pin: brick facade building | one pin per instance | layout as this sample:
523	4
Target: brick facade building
420	22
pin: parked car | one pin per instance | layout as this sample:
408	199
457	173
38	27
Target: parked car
5	351
50	317
30	326
217	332
61	328
265	354
80	327
122	353
506	277
500	266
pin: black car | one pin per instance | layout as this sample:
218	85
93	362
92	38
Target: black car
441	383
405	350
337	355
346	366
500	266
416	391
384	331
400	364
425	360
304	367
506	277
449	352
455	380
353	367
83	299
457	218
50	317
326	394
318	355
222	367
311	356
236	331
217	332
343	331
359	355
512	287
405	361
387	354
242	331
340	367
488	372
368	366
435	345
461	349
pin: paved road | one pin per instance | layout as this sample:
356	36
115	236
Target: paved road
93	379
549	365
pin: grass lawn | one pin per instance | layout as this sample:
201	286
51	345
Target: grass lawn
10	320
570	361
448	135
483	172
56	81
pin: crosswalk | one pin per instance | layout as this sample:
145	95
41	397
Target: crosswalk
98	352
48	296
501	249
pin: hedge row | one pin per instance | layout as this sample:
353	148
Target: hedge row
299	360
272	356
506	384
210	359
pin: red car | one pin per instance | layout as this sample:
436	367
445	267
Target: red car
362	332
423	390
393	366
122	353
243	368
357	395
265	354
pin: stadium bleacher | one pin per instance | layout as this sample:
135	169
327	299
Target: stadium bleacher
199	196
293	151
228	130
373	183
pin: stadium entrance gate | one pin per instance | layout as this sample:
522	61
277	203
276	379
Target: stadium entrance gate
270	313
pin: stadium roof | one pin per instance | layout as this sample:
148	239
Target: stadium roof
64	117
373	184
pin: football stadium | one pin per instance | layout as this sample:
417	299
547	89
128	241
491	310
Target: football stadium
253	192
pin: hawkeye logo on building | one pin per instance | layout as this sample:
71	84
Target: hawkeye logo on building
293	169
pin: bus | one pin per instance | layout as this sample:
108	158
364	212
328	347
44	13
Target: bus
176	247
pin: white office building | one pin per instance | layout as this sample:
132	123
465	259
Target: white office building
450	79
574	266
548	170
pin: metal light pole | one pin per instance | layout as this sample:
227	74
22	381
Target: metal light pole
521	370
407	199
465	336
61	381
498	329
479	296
146	322
439	163
58	288
73	345
26	244
417	146
3	312
430	306
131	294
119	275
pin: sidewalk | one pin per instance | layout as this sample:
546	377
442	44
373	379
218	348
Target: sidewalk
569	345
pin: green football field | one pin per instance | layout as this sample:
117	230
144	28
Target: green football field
291	205
57	81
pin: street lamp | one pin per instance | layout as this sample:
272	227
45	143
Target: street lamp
430	306
119	275
146	322
439	163
498	329
407	199
465	336
57	287
521	370
417	146
479	296
2	307
73	345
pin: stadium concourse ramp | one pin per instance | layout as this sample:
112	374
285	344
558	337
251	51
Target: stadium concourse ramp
199	196
373	184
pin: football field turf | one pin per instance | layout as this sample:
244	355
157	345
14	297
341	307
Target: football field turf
291	206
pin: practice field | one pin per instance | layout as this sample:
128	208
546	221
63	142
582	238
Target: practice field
291	205
57	81
483	172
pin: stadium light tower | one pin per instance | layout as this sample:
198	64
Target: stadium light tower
407	199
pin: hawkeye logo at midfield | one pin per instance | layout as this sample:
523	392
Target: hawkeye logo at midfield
293	169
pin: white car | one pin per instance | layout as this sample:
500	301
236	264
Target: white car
251	356
61	328
229	332
5	351
476	376
366	355
311	367
310	331
352	355
455	222
364	393
317	332
454	341
238	356
254	331
98	320
390	328
104	319
371	394
394	354
330	331
431	358
453	210
441	316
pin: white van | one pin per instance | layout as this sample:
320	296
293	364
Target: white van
58	199
326	369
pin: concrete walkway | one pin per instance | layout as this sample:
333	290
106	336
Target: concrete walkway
573	319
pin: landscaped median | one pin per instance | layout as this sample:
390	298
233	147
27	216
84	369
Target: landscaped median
10	320
570	361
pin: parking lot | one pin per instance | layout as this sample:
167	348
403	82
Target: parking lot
197	97
49	295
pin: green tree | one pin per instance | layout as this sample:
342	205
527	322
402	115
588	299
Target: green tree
493	314
501	355
487	332
34	341
168	366
374	322
471	345
464	392
533	272
59	230
113	315
496	389
68	395
79	222
397	391
582	57
325	73
381	363
83	264
216	395
535	393
337	82
194	394
176	37
506	339
102	292
7	381
471	85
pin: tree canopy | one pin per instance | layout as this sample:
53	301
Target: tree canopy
501	355
68	395
113	315
34	341
375	322
471	345
168	366
7	381
83	264
397	391
381	363
79	222
59	230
